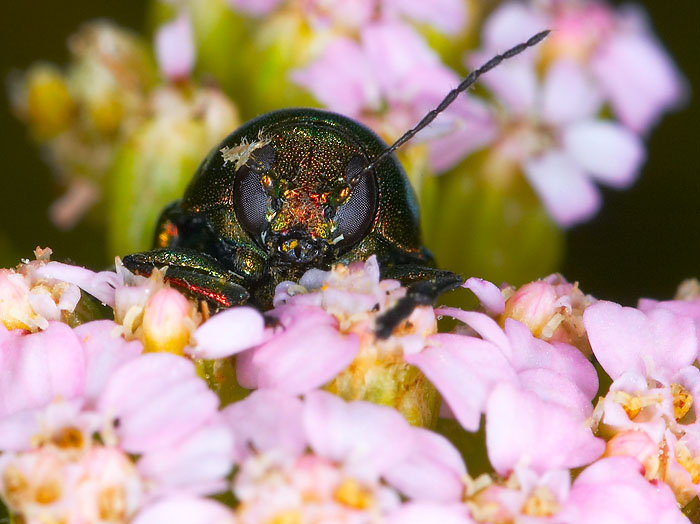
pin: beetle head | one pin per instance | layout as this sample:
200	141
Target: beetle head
303	193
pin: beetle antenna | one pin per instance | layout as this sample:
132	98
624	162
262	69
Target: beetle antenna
452	95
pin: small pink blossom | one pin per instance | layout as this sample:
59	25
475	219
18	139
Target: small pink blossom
617	49
153	431
552	134
392	66
557	371
40	291
174	47
614	490
37	368
523	428
447	16
323	458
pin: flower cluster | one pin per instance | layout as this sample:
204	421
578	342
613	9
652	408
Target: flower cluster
111	420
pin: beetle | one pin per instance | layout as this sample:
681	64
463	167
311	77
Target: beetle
296	189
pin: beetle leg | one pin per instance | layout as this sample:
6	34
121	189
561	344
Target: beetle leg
197	274
424	286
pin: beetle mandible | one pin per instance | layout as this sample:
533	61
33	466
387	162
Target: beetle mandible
296	189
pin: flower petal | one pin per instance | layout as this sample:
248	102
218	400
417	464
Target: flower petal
563	187
105	351
266	420
174	47
488	294
308	353
521	427
569	94
432	471
37	368
607	151
639	77
100	285
183	509
510	24
157	399
366	438
341	78
464	370
228	333
449	16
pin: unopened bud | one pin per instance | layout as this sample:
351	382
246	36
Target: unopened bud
167	322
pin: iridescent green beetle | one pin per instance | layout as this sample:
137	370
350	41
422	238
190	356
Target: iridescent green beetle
297	189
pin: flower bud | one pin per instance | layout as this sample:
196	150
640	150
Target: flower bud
534	305
167	322
636	444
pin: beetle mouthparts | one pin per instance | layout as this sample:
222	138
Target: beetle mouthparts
297	248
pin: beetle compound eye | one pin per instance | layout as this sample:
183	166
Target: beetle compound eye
357	215
250	200
353	171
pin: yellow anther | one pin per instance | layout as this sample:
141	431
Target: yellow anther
48	492
291	516
69	437
541	503
352	494
682	401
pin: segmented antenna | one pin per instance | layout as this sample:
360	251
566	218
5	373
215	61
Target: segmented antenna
452	96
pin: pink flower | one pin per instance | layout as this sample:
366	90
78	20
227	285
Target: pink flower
36	368
650	356
448	16
153	431
551	308
41	291
614	490
165	320
657	344
174	48
524	428
323	457
557	372
629	66
552	134
390	80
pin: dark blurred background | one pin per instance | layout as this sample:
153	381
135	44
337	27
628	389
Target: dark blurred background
643	243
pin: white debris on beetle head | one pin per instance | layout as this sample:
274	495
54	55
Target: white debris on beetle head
240	154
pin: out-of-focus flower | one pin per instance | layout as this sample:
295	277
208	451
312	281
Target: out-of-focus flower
322	459
152	431
112	127
550	132
174	48
156	161
616	48
79	116
395	79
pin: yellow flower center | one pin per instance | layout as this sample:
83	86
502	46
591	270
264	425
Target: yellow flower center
291	516
633	404
111	503
682	401
690	463
352	494
541	503
48	492
69	438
